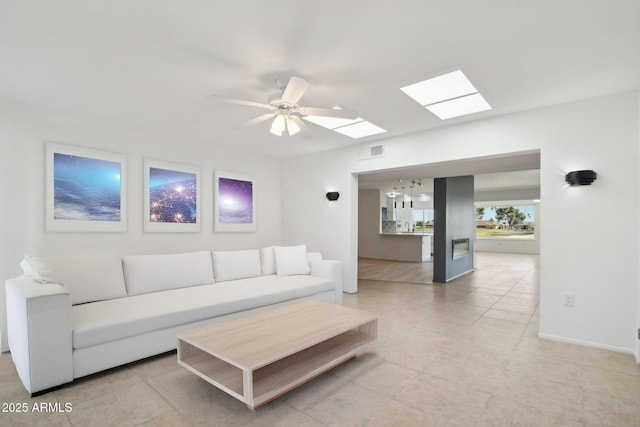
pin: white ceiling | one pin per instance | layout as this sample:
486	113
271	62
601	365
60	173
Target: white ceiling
153	63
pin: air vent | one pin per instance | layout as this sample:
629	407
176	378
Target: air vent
371	152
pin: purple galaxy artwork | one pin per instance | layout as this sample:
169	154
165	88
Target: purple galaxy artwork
235	204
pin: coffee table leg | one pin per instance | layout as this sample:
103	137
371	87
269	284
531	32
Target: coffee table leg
247	385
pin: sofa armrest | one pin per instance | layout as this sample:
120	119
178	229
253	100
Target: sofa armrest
39	333
329	269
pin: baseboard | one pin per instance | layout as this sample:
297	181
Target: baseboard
588	344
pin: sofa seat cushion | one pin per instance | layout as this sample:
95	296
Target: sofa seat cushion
106	321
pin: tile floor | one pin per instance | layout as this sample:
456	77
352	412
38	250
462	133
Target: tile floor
461	354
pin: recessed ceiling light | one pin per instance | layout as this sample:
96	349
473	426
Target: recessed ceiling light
360	129
459	106
454	88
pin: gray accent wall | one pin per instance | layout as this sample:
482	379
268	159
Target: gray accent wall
454	219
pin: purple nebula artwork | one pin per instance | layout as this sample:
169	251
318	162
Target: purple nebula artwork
172	196
85	189
235	204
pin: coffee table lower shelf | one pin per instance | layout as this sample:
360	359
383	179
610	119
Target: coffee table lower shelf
258	386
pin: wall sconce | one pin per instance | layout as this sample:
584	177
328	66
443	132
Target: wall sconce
583	177
332	196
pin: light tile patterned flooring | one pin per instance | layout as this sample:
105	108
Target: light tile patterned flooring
461	354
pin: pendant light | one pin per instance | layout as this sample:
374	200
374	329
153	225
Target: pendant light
411	197
402	197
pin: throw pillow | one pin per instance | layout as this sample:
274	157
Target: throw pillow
42	270
268	261
291	260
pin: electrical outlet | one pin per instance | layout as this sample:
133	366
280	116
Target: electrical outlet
568	299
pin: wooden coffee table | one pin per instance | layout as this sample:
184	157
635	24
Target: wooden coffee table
259	357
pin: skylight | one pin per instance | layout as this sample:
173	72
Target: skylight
447	96
459	106
354	128
331	122
360	129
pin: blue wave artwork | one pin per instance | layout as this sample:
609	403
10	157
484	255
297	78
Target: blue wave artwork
235	204
172	196
85	189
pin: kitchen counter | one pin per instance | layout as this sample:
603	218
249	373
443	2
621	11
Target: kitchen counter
406	233
404	249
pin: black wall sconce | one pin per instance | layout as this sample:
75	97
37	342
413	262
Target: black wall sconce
584	177
332	196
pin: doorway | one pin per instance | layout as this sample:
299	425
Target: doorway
506	177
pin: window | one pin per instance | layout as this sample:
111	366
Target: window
423	220
505	221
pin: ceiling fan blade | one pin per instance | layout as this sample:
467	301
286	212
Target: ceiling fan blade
240	101
328	112
294	90
305	132
259	119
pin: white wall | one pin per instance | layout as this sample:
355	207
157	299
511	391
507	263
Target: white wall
598	264
638	259
23	132
505	245
4	207
327	227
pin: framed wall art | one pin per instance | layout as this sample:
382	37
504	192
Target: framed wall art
234	202
85	189
171	197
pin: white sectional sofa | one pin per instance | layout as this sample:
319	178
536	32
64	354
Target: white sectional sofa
69	317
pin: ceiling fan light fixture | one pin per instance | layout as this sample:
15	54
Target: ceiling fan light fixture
278	126
287	114
292	126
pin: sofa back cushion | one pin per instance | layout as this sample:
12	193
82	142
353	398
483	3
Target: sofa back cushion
151	273
87	278
313	257
233	265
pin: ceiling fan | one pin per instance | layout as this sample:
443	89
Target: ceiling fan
286	112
